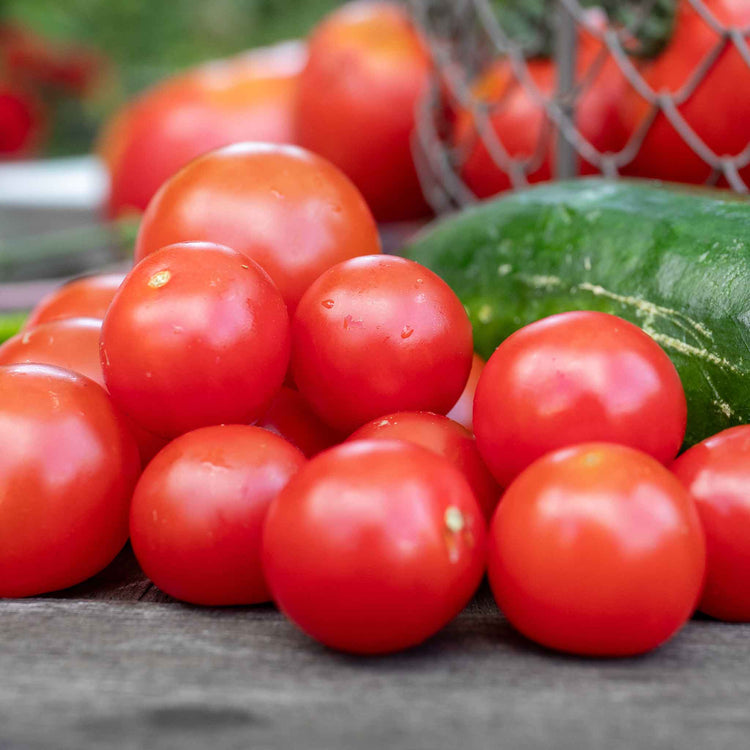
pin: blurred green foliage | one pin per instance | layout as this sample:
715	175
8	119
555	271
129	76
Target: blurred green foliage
146	40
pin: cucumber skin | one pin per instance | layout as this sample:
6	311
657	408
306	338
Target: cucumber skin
675	262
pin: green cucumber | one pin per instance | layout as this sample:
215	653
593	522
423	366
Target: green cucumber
675	262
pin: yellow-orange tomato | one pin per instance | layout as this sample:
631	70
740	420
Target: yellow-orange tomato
246	98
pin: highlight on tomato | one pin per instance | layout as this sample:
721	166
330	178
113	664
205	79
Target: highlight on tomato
374	546
378	335
197	335
577	377
598	550
68	465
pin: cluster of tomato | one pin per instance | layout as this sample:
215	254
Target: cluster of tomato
284	383
351	93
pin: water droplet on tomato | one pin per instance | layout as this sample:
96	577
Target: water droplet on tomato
406	331
327	303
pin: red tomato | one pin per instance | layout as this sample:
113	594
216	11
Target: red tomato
197	335
377	335
196	520
290	416
87	297
597	549
246	98
716	472
73	344
463	410
287	209
444	437
374	546
68	466
573	378
715	110
522	126
22	121
357	99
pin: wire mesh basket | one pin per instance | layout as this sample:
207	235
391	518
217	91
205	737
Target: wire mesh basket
656	88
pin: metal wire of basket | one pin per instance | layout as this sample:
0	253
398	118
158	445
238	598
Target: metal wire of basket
464	35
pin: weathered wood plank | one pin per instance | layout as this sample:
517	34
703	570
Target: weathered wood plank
92	674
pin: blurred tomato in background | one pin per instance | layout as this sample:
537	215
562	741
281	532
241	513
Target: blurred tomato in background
246	98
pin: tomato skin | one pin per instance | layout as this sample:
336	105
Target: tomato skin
597	550
249	97
716	472
358	93
196	520
291	211
714	111
572	378
73	344
197	335
524	129
374	546
290	417
377	335
68	466
463	410
444	437
87	297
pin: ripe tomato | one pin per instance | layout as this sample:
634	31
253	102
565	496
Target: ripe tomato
597	549
357	97
73	344
290	416
287	209
374	546
197	515
463	410
715	111
246	98
87	297
197	335
444	437
377	335
573	378
522	126
22	121
716	472
68	466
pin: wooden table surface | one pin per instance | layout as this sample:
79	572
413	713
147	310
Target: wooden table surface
115	663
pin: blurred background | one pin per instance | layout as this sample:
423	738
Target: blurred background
427	105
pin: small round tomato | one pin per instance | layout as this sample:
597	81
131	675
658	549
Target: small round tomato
72	343
444	437
378	335
87	297
68	466
716	472
463	410
290	416
196	520
357	99
22	121
289	210
573	378
597	549
374	546
197	335
245	98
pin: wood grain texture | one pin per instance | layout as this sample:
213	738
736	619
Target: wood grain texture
107	670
